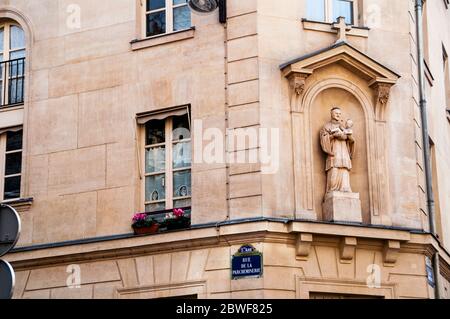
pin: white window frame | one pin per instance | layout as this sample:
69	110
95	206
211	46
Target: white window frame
3	153
6	52
169	8
169	170
329	11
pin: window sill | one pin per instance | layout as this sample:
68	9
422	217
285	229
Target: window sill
162	39
20	204
362	32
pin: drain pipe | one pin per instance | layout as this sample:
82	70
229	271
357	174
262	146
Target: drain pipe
425	135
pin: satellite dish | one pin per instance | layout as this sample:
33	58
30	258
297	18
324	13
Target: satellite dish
7	280
9	229
203	6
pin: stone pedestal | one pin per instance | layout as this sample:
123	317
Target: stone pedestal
342	207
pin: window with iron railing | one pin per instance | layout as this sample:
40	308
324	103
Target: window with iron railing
12	64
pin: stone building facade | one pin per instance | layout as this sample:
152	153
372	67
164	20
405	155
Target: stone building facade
94	89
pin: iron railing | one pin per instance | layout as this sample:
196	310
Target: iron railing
12	82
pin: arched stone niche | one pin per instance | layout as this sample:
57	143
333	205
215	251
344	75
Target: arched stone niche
344	77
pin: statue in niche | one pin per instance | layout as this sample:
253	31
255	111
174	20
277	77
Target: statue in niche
337	141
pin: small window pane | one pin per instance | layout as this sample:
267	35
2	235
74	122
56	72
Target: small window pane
2	35
15	90
13	163
156	23
155	159
182	184
181	128
316	10
155	207
182	155
155	4
155	188
181	18
12	188
17	55
156	132
17	40
176	2
182	203
343	8
14	141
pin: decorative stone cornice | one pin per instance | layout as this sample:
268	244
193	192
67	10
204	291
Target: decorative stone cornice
378	77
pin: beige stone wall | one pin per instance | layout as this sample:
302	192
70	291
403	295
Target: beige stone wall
206	273
438	34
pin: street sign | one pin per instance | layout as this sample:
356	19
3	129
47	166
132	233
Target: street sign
7	280
9	229
247	263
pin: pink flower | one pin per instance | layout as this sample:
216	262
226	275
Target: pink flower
139	217
178	212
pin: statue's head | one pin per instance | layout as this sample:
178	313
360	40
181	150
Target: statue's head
336	113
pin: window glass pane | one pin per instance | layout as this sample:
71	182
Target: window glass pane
182	184
156	23
13	163
155	188
15	90
182	203
12	188
181	18
182	155
155	4
17	54
156	132
176	2
2	43
14	141
343	8
180	128
17	38
316	10
155	207
155	159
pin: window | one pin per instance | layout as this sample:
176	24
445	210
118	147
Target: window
330	10
11	149
12	64
167	163
446	79
166	16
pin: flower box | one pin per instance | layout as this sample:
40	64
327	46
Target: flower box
146	230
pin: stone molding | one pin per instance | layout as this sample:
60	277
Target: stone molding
164	290
302	235
304	286
328	27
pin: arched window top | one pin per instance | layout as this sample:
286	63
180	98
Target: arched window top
12	63
12	41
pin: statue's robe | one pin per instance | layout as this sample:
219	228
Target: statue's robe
339	158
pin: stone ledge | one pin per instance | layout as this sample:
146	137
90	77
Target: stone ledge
235	232
20	205
162	39
328	27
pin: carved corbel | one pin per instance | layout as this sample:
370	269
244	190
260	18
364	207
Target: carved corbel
382	95
348	249
297	85
391	252
303	246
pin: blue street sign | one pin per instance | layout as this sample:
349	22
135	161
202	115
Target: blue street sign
247	263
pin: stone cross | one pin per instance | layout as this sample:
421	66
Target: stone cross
342	28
